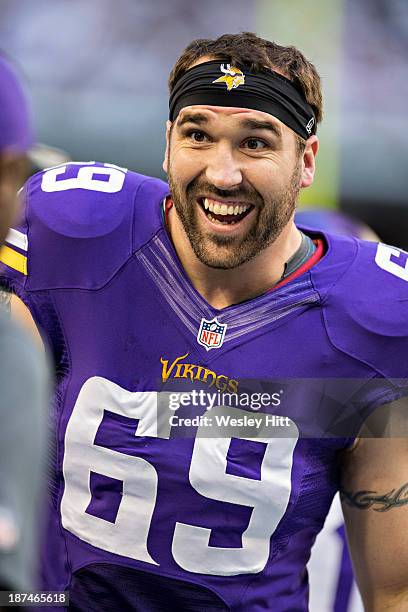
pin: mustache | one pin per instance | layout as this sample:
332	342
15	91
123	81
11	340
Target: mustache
244	192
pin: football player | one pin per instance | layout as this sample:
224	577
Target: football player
210	499
15	138
23	399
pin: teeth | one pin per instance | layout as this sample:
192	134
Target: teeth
214	220
224	209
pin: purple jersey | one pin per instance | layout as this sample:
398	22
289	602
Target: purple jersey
15	120
331	575
145	516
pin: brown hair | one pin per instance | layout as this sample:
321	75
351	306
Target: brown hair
248	49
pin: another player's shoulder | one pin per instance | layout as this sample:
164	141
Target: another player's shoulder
81	222
364	288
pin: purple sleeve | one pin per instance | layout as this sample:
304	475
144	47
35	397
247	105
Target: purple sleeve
16	133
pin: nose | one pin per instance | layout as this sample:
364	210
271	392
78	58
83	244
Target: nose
223	168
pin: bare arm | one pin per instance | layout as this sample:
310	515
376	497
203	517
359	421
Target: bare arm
375	504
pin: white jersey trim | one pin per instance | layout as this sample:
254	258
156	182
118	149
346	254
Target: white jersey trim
17	239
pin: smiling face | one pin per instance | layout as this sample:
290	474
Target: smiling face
234	176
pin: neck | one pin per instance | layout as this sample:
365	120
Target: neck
222	288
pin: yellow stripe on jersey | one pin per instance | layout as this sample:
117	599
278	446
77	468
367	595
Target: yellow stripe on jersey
14	260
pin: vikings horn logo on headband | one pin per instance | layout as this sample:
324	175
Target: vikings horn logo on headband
233	77
263	90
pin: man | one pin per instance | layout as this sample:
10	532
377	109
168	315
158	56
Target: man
15	139
22	376
199	503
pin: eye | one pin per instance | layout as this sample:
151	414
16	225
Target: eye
197	136
255	144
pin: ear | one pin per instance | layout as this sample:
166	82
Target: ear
308	161
166	153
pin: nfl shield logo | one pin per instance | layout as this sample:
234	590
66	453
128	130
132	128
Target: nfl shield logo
211	334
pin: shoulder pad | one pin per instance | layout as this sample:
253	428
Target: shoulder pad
366	309
83	220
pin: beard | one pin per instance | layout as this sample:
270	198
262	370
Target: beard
228	252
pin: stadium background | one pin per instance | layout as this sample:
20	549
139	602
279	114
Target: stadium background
97	74
97	71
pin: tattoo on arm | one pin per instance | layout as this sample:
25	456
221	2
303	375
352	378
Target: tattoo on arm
372	499
5	299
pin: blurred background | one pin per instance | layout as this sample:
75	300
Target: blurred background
97	73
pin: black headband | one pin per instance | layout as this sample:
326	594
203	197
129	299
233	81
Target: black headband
219	83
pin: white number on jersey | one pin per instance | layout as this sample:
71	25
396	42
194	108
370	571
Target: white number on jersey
128	535
208	476
397	268
85	179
